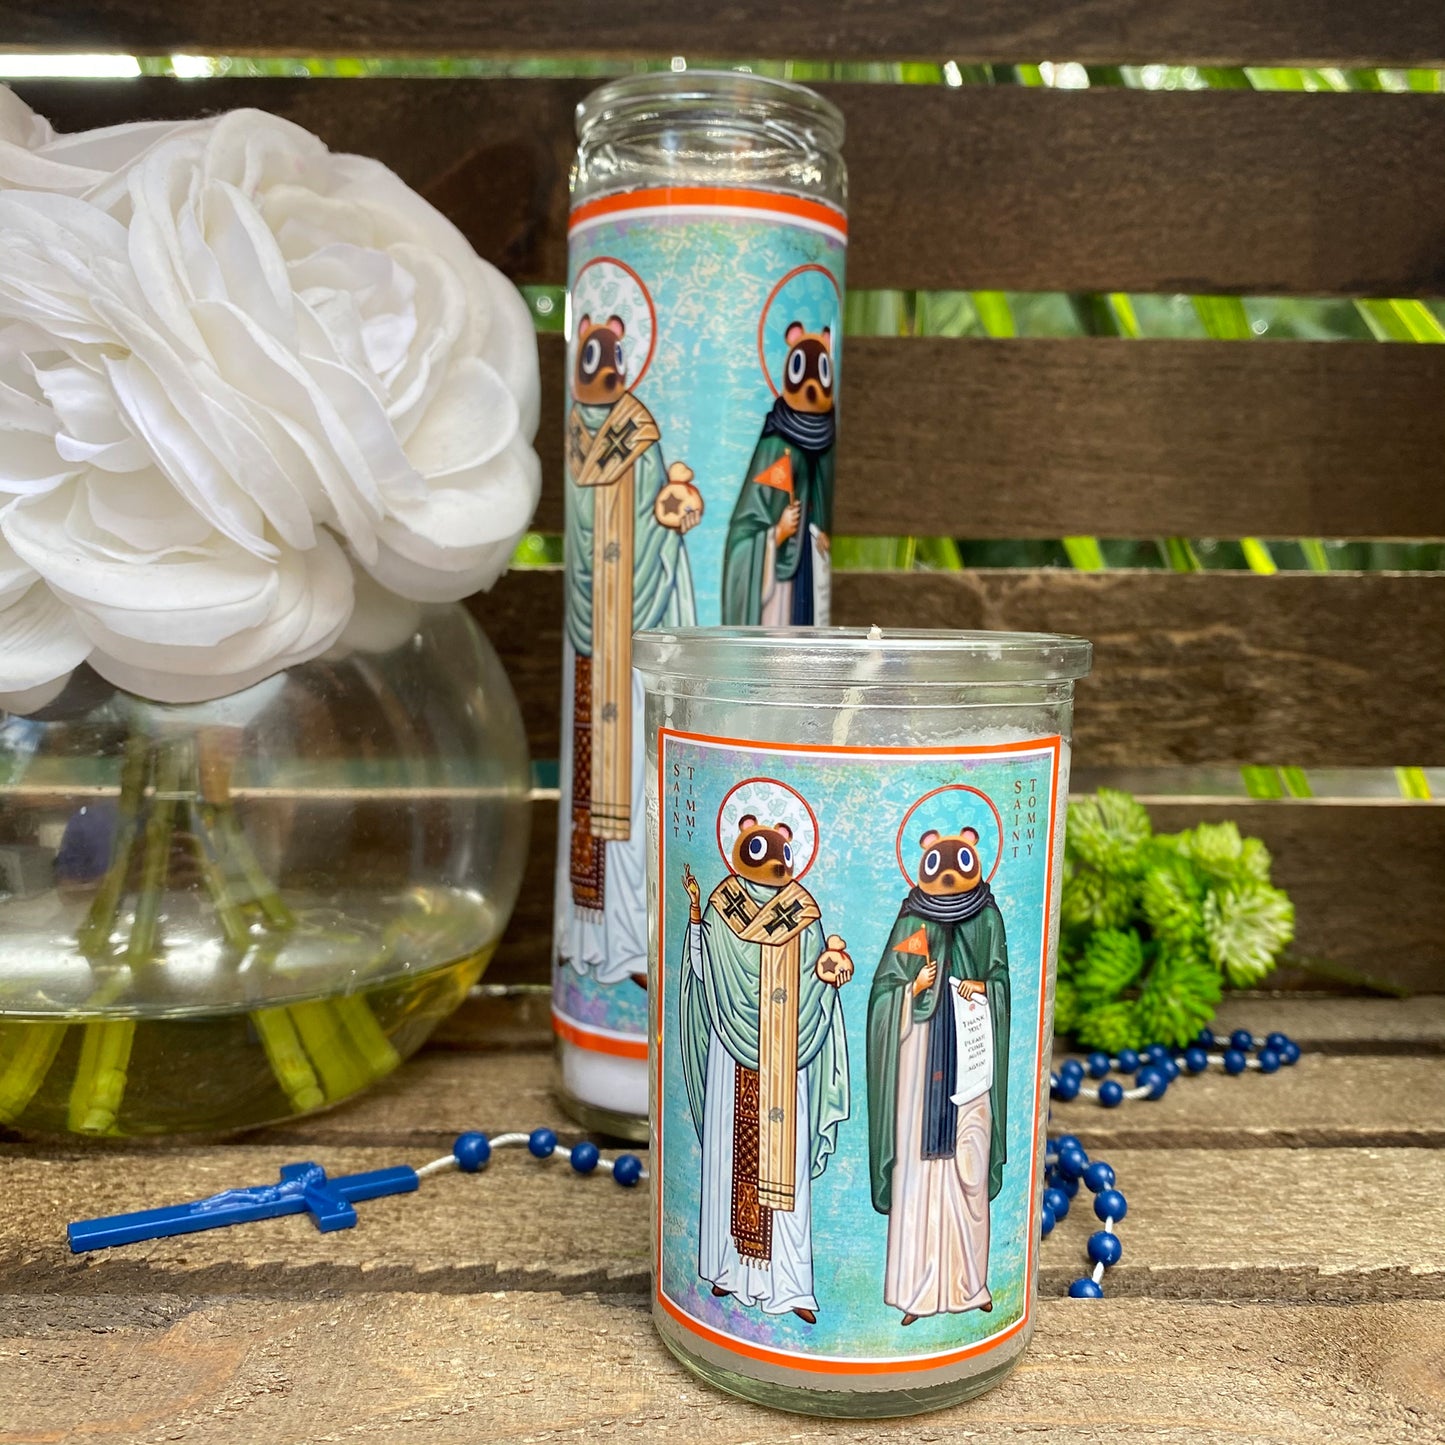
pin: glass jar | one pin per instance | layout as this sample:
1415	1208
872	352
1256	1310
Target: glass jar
226	914
705	284
857	848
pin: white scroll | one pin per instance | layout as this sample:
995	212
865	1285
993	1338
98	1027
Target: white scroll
974	1030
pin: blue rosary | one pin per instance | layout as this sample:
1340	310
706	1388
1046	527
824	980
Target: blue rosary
306	1188
1067	1164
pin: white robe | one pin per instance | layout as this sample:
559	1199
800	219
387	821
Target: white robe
939	1220
609	944
786	1281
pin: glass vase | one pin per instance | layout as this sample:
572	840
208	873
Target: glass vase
227	914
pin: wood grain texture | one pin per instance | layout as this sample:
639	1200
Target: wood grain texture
1325	1101
973	187
1203	1224
1317	671
435	1370
1064	438
1405	32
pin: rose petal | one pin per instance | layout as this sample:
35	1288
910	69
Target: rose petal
39	641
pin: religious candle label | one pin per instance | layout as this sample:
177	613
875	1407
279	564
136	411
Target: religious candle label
705	327
853	958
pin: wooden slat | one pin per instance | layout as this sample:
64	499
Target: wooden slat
1390	934
1001	187
1325	1101
1203	1224
1320	671
438	1370
1222	32
1045	438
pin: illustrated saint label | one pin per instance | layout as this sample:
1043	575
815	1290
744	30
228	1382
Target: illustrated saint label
852	967
701	422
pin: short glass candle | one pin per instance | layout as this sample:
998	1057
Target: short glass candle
856	850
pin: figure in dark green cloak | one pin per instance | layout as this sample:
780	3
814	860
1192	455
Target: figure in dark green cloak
775	563
936	1159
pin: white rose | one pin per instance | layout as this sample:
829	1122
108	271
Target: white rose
210	377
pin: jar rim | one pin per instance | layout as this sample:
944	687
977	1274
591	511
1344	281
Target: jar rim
861	655
633	97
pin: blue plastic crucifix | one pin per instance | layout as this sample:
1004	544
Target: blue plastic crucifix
303	1189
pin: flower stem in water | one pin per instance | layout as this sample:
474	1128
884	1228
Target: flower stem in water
99	1082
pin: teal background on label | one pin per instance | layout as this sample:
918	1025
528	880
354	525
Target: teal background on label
709	277
860	802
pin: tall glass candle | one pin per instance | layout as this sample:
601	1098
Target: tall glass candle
705	272
856	854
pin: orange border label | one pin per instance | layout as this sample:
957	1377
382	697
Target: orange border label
827	1364
797	210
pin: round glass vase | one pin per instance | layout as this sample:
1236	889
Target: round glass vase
856	852
226	914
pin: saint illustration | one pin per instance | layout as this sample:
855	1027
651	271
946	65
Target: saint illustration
764	1054
628	570
938	1036
775	566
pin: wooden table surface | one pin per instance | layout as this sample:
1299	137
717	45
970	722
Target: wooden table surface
1283	1275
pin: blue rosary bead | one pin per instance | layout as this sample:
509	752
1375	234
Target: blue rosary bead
1099	1175
1111	1093
542	1143
1105	1248
1169	1069
1290	1053
1085	1288
1241	1039
1098	1064
1058	1202
1073	1068
1156	1054
1064	1087
1195	1059
1234	1061
1046	1220
1205	1040
1152	1078
584	1157
1066	1141
1128	1061
1276	1041
627	1169
471	1151
1268	1061
1069	1186
1072	1162
1110	1204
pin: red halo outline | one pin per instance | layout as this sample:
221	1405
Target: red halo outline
807	806
768	306
950	788
646	296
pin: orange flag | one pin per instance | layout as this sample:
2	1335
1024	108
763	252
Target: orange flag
916	942
779	475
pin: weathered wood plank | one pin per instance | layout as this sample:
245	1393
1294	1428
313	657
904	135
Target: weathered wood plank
433	1370
973	187
1247	1224
427	1370
1224	32
1319	671
1325	1101
1045	438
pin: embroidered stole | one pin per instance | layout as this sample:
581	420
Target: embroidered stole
765	1123
606	461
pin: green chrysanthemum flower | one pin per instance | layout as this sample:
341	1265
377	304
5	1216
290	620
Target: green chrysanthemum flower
1108	832
1113	959
1108	1026
1245	926
1170	899
1066	1007
1094	900
1178	998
